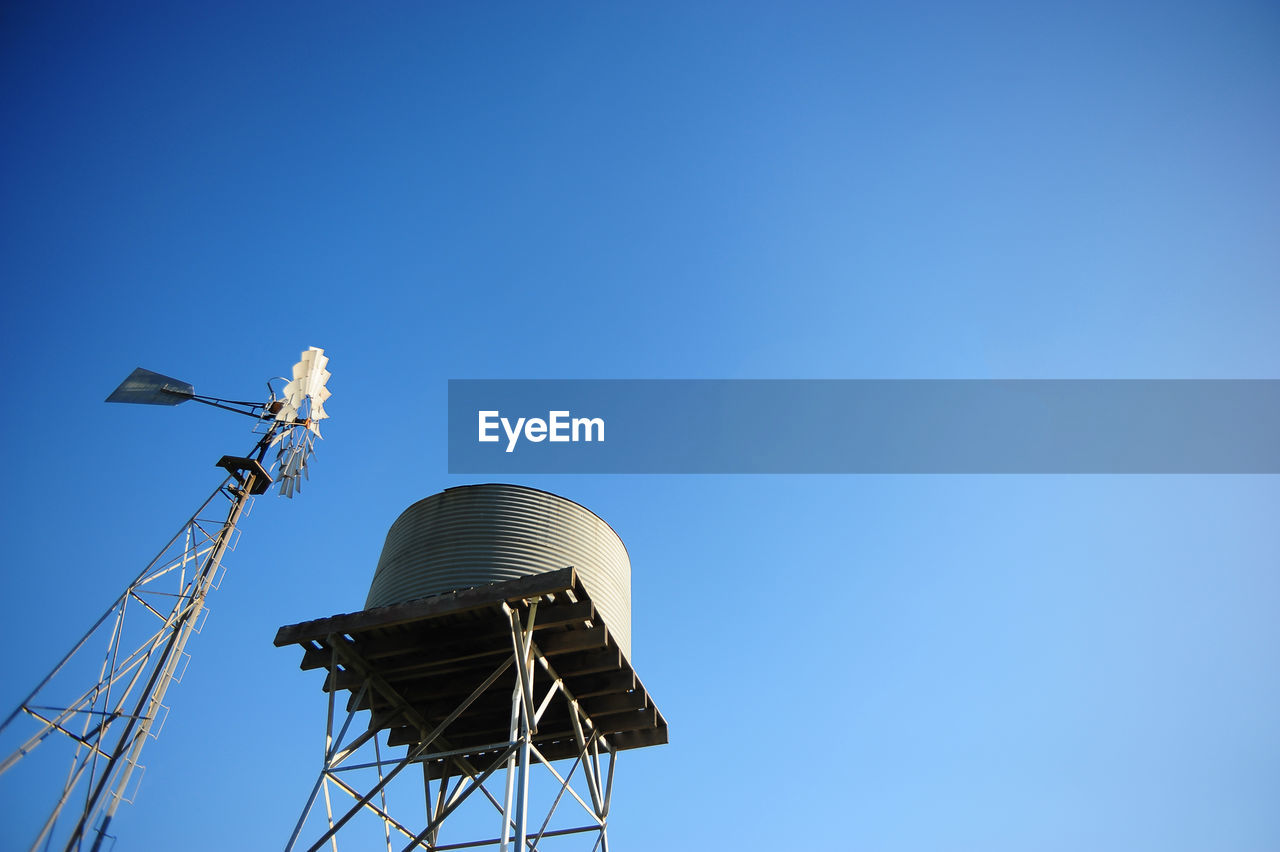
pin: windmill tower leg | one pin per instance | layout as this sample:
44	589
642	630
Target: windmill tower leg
111	721
147	628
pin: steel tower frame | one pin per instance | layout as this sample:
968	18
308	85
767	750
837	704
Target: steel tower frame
147	627
440	697
111	721
518	755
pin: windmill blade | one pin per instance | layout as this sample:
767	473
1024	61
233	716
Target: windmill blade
292	461
306	394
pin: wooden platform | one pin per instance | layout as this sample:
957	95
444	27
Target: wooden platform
425	656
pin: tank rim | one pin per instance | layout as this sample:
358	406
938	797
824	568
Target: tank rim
523	488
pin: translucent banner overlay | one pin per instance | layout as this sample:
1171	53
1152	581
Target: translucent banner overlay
864	426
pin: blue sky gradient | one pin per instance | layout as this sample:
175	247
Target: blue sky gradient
695	190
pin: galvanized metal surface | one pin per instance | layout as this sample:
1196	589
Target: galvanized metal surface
474	535
145	387
112	720
533	710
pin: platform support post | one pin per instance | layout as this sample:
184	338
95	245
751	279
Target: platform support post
530	699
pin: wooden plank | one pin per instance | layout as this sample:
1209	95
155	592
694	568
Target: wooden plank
639	739
450	691
535	585
432	695
437	644
478	736
567	641
457	739
561	614
619	702
440	678
315	658
555	742
633	720
424	665
433	769
376	649
433	652
403	736
561	749
602	684
588	662
464	657
553	750
390	718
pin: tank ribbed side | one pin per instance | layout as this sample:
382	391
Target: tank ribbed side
474	535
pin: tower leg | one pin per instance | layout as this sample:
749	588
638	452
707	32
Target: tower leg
518	758
121	710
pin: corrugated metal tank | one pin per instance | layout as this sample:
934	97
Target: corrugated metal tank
474	535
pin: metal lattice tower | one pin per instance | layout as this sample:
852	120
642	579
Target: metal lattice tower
109	706
503	685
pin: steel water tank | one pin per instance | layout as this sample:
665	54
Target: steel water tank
473	535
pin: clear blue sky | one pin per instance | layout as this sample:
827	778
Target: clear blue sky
701	190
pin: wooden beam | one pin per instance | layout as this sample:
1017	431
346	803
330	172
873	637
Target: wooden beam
425	666
588	662
603	684
562	614
567	641
617	703
639	739
629	721
535	585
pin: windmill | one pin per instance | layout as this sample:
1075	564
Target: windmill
107	707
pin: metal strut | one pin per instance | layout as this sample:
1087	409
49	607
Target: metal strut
516	759
148	626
